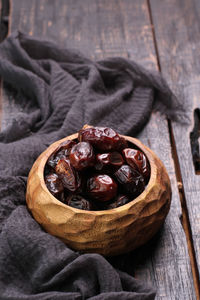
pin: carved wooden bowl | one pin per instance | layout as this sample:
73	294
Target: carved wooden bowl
107	232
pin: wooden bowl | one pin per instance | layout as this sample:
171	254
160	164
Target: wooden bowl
107	232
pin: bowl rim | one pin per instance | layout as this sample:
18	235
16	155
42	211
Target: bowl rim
153	174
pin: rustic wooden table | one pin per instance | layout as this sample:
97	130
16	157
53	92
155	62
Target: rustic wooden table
160	35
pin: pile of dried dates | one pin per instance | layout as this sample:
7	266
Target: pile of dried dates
99	171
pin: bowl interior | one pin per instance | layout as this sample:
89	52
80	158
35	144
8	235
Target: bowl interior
133	142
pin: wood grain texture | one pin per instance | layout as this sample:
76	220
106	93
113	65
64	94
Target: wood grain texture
119	28
178	46
109	232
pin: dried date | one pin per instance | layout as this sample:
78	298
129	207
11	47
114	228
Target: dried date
131	180
62	151
101	187
108	162
136	159
82	156
103	138
99	167
69	176
77	201
54	185
119	201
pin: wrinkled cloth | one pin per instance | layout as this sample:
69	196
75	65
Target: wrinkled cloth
60	90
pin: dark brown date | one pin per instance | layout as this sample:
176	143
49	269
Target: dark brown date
54	185
62	151
68	175
79	202
100	167
103	138
108	162
82	156
136	159
131	180
119	201
101	187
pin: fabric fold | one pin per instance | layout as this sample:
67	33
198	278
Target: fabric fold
60	90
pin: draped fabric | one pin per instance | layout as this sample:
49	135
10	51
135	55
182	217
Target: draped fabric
59	91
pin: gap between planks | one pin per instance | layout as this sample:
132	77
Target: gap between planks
185	216
185	221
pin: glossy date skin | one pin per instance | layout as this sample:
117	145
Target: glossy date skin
70	178
108	162
62	151
55	186
101	187
131	180
103	138
98	172
82	156
137	160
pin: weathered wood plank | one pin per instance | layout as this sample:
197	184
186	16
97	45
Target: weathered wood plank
178	46
113	28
